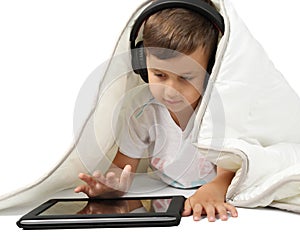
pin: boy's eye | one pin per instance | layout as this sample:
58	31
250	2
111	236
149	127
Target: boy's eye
160	75
187	78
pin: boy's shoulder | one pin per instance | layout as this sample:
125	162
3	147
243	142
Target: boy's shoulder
139	94
138	101
137	97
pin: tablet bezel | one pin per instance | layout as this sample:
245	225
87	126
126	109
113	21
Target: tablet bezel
172	217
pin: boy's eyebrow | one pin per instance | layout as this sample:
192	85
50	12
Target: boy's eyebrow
182	74
186	74
155	69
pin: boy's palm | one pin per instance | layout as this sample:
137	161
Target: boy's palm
114	183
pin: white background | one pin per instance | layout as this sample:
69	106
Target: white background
49	48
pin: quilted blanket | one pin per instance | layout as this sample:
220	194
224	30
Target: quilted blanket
248	121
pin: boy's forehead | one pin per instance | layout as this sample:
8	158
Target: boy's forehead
180	65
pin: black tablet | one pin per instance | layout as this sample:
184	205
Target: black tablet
95	212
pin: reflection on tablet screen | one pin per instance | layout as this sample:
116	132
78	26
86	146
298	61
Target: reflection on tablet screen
107	206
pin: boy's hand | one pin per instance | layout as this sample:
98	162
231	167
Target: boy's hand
209	200
114	183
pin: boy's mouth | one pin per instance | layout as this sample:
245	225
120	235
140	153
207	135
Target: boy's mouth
172	101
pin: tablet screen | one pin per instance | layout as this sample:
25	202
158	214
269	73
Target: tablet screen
107	206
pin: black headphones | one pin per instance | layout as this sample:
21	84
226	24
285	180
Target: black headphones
138	58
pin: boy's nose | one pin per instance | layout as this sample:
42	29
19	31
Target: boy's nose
171	89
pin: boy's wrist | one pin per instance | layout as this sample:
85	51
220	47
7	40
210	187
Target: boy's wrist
223	178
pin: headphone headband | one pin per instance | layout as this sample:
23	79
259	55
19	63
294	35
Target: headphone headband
138	59
197	6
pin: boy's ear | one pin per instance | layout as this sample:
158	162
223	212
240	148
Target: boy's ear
138	61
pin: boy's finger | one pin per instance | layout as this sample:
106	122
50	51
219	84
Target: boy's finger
97	174
77	189
222	210
187	211
99	177
197	211
112	181
84	176
231	209
210	212
87	178
82	188
125	178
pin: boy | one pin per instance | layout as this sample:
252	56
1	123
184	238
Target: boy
178	46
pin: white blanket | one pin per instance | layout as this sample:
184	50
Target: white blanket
247	122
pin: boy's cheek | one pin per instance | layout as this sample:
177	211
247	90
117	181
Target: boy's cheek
156	90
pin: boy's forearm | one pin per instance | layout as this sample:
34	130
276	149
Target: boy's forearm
223	178
122	160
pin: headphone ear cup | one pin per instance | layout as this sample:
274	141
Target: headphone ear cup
138	61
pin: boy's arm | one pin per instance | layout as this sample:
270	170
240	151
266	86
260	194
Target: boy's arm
115	182
224	178
210	198
122	160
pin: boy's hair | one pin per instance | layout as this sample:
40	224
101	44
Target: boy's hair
180	30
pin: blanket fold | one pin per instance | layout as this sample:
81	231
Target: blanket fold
248	122
256	114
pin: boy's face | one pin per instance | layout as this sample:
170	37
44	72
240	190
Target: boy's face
177	82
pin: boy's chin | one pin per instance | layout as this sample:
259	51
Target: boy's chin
180	109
